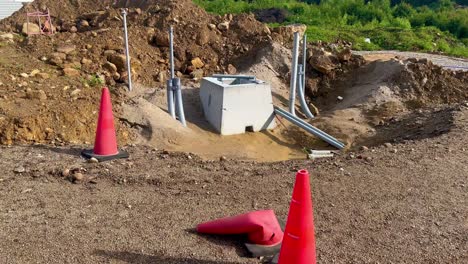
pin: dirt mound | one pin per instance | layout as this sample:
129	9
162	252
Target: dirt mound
204	43
60	10
421	83
34	109
386	101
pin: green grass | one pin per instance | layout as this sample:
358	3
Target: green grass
94	80
440	28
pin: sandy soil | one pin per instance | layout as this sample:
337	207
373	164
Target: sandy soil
407	202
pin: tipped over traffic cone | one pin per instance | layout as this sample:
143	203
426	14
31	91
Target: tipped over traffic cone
299	239
262	228
105	144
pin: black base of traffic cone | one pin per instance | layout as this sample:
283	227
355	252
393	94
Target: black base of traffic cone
89	153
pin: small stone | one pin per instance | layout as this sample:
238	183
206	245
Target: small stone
212	26
388	145
39	94
218	193
394	150
34	72
30	28
110	67
65	172
43	75
19	169
340	98
222	158
231	69
26	191
197	63
66	48
364	148
341	169
7	36
93	160
84	23
86	61
77	177
71	72
73	29
75	92
43	58
24	75
223	26
161	77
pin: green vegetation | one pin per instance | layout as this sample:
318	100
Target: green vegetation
420	25
94	80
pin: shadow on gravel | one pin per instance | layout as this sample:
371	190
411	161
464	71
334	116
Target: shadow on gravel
131	257
233	241
72	151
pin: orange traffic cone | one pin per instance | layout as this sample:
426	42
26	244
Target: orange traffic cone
262	228
105	144
299	239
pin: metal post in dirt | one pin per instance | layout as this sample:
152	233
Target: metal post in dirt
292	91
171	52
304	62
127	51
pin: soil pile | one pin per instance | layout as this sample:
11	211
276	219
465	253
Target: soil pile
421	83
363	105
204	43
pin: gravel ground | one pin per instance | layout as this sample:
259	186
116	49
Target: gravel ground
444	61
400	203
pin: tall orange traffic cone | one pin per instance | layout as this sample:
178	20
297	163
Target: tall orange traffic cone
299	239
262	228
105	144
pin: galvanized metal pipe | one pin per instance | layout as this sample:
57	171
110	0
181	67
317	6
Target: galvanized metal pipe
309	128
170	99
127	51
179	102
171	51
302	99
304	62
292	90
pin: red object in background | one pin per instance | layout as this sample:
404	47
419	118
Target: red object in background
106	141
44	21
299	239
262	227
105	144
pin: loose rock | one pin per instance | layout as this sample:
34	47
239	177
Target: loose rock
223	26
19	169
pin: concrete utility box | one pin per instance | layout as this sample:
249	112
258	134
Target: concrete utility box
236	104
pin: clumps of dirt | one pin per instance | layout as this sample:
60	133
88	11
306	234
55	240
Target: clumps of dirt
60	10
325	66
204	43
386	101
421	83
